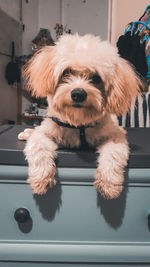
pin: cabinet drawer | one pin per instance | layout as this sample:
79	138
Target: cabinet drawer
72	222
74	211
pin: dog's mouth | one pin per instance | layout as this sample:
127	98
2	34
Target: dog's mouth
77	105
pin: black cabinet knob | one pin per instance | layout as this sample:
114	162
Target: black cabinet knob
22	215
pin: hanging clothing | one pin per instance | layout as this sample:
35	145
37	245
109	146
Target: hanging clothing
131	49
134	45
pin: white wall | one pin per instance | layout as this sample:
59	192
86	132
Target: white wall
30	18
39	14
83	16
80	15
11	8
86	16
49	15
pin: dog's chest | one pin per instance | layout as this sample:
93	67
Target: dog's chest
82	137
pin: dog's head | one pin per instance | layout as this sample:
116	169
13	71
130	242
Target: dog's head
83	78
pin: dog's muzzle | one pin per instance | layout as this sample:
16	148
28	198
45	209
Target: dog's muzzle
78	95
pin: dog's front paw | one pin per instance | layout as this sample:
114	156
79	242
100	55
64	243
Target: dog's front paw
107	189
25	134
40	186
39	182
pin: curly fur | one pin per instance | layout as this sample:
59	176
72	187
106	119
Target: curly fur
82	57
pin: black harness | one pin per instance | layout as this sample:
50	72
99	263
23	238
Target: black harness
81	128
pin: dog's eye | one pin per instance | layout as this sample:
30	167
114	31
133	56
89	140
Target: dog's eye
95	79
67	72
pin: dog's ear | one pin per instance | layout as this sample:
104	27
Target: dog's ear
38	72
125	86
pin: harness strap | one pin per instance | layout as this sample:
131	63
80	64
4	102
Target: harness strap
83	141
82	128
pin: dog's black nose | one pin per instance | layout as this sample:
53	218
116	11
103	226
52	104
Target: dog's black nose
78	95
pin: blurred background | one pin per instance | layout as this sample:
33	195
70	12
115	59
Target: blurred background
26	25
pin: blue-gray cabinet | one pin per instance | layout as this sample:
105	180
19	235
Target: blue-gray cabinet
72	225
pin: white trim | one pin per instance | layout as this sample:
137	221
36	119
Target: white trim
76	252
109	32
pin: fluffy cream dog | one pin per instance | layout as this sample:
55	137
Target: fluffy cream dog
85	82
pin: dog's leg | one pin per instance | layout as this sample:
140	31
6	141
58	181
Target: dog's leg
40	152
112	160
